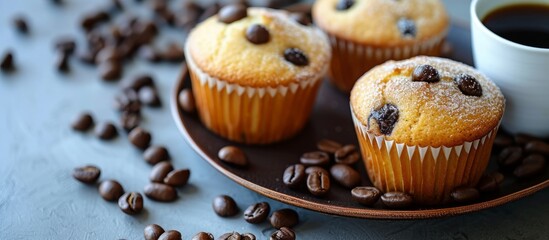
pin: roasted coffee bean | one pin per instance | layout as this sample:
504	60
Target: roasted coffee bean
109	54
232	13
284	218
318	183
156	154
503	140
386	117
186	100
21	25
283	233
247	236
397	200
523	138
328	145
87	56
62	63
149	96
131	203
90	21
296	57
258	34
407	27
110	70
230	236
203	236
65	45
301	18
312	169
510	157
127	101
152	232
173	53
149	53
294	176
490	182
344	175
468	85
425	73
87	174
233	155
106	131
224	206
366	196
178	178
140	138
139	81
531	166
160	171
129	120
82	122
160	192
347	155
170	235
344	4
188	15
537	147
110	190
316	158
257	213
464	194
7	63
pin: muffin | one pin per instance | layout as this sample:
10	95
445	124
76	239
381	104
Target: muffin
366	33
255	72
425	125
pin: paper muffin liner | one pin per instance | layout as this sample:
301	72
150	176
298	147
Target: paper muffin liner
252	115
428	173
351	60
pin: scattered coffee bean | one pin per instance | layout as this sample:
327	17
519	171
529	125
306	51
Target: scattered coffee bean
318	183
149	53
62	63
178	178
366	196
490	182
523	138
294	176
257	213
397	200
152	232
503	140
510	157
130	120
186	100
301	18
149	96
296	57
537	147
531	166
224	206
283	233
160	171
247	236
386	117
173	53
109	54
344	175
230	236
312	169
316	158
127	101
106	131
232	13
257	34
203	236
21	24
87	174
347	155
344	4
110	70
425	73
170	235
139	81
233	155
160	192
110	190
140	138
65	45
284	218
156	154
131	203
407	27
7	63
328	146
465	194
468	85
82	122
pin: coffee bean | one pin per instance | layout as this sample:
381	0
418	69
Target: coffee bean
301	18
7	63
257	212
156	154
523	138
188	15
160	171
87	174
91	20
425	73
294	176
110	190
109	54
139	81
127	101
233	155
490	182
257	34
284	218
173	53
149	53
328	145
465	194
531	166
312	169
110	70
152	232
503	140
347	155
316	158
407	27
468	85
160	192
344	4
131	203
386	117
345	175
21	25
87	56
149	96
224	206
62	63
318	183
203	236
106	131
537	147
232	13
247	236
283	233
186	100
140	138
170	235
129	120
296	56
510	157
65	45
397	200
230	236
178	178
366	196
82	122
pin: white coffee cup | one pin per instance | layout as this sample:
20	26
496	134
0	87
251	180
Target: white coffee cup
522	72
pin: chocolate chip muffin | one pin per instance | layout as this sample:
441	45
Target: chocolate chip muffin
426	125
255	72
366	33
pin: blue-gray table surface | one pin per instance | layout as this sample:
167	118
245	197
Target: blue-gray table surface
38	150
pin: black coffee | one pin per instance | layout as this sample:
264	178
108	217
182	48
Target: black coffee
526	24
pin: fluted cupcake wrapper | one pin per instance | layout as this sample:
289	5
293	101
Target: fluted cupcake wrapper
428	173
351	60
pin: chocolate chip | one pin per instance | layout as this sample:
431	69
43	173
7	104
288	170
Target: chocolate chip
316	158
178	178
152	232
160	171
233	155
82	122
232	13
344	175
224	206
203	236
106	131
537	147
344	4
347	155
160	192
186	100
284	218
21	24
407	27
465	194
301	18
509	157
87	174
397	200
294	176
62	63
329	146
366	196
7	63
257	212
386	118
170	235
296	56
425	73
156	154
110	190
131	203
283	233
531	166
110	70
257	34
468	85
129	120
318	182
149	96
140	138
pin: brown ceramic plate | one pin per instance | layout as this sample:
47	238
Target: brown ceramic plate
330	119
